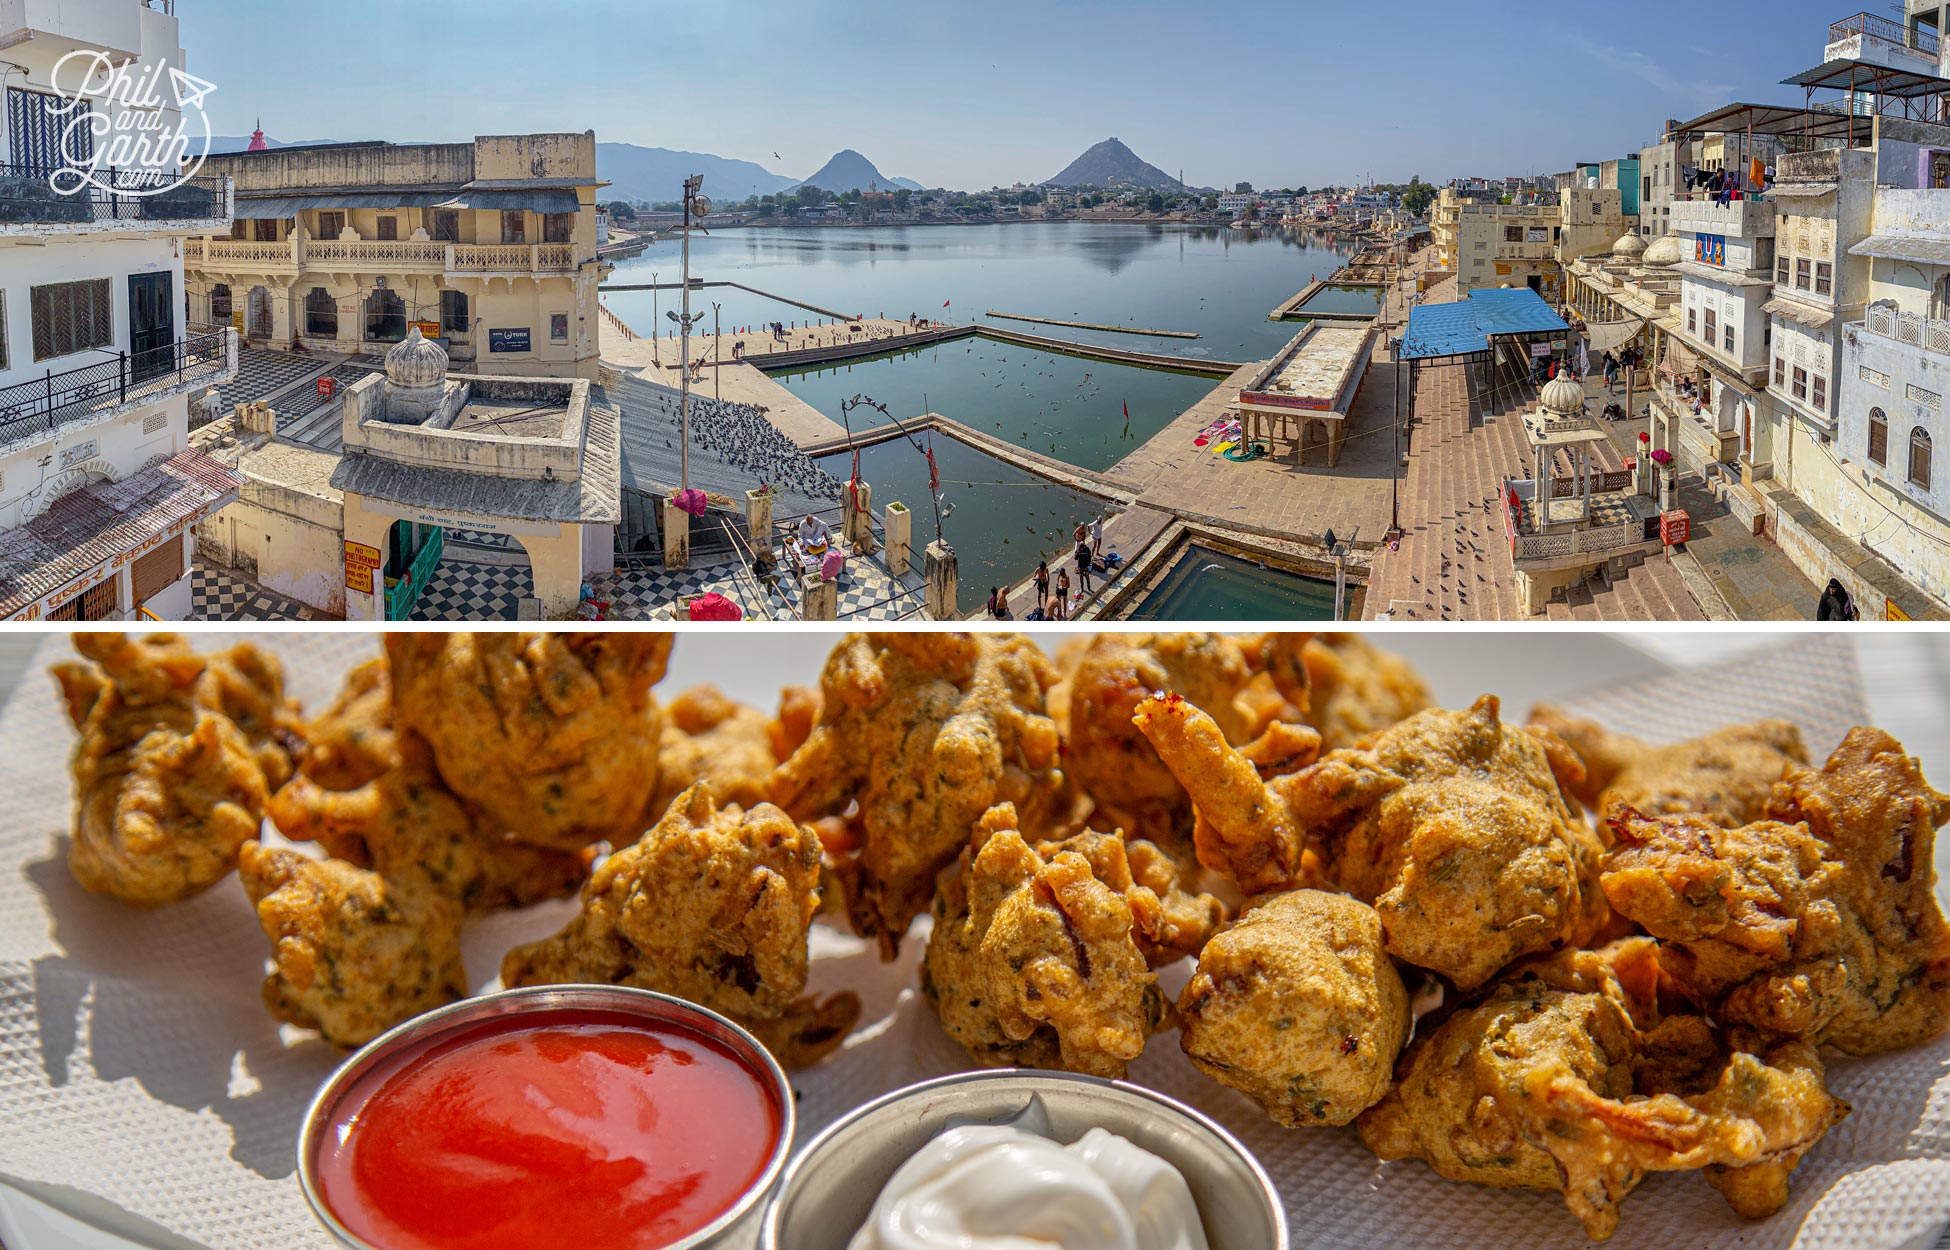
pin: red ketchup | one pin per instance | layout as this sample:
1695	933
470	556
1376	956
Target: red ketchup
579	1128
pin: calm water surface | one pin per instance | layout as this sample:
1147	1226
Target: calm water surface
1207	585
1219	283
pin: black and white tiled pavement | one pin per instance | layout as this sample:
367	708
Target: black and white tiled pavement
261	373
221	594
463	591
868	592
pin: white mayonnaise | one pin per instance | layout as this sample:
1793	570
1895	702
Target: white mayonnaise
995	1187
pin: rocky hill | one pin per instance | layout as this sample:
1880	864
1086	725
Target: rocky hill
850	171
1111	164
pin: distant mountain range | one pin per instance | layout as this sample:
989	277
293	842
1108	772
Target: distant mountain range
656	175
850	171
1111	164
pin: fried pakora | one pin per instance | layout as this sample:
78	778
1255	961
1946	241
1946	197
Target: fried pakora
1558	1080
1726	776
368	793
553	737
925	732
1357	689
1036	960
1451	824
176	759
711	905
353	953
1112	674
1298	1007
709	738
1826	929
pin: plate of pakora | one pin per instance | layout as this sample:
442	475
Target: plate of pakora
1474	970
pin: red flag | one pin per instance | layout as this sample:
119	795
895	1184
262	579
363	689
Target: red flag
1127	412
946	302
934	474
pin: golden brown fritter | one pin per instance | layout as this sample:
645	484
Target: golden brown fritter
1827	929
1358	689
1451	824
1298	1007
709	738
1113	673
925	732
553	737
1035	962
711	905
354	954
1540	1086
1168	921
367	792
1726	776
167	784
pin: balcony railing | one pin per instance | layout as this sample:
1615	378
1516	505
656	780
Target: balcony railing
46	403
345	254
1882	28
27	195
1928	333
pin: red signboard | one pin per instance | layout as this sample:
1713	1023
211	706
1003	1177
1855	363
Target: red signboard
326	386
1265	400
1675	528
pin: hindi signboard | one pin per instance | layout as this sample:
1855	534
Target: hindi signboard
513	339
361	562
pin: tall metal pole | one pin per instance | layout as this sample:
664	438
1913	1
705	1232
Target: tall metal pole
717	350
656	322
684	333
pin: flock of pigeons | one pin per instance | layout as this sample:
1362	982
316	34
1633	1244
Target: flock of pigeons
741	437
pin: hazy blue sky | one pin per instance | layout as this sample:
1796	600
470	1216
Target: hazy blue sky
970	93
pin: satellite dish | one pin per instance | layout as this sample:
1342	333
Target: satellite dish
700	206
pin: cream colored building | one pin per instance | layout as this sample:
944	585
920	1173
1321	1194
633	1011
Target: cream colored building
490	247
1487	244
100	487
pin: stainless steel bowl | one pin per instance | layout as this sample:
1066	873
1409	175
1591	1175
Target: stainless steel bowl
735	1227
833	1183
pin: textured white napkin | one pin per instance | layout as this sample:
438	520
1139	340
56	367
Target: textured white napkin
140	1076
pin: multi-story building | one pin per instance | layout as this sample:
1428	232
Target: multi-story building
490	247
1589	221
99	486
1486	243
1661	177
1719	343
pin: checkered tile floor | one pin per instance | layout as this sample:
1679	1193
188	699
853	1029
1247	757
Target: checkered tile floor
462	591
868	592
221	594
260	372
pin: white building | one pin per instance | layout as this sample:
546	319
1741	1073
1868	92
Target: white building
1235	203
99	487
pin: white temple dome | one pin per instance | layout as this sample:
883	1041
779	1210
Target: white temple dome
1664	252
1563	397
1629	247
416	364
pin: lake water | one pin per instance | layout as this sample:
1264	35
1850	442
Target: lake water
1207	585
1059	406
1002	522
1359	300
1218	283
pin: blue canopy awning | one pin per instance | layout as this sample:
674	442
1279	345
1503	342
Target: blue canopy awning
1436	331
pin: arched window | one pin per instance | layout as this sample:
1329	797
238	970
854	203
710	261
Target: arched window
1919	458
220	303
1878	437
321	314
1940	298
385	317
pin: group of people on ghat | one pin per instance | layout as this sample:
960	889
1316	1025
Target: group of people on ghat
1056	593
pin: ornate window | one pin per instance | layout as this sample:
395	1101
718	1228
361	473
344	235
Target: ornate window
1878	437
72	317
385	317
220	303
1919	458
453	312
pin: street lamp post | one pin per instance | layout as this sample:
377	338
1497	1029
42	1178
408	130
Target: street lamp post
695	205
717	351
656	335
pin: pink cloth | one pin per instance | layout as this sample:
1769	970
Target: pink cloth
832	566
715	607
691	501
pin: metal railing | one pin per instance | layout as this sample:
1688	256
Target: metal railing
55	399
1928	333
1884	29
27	195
